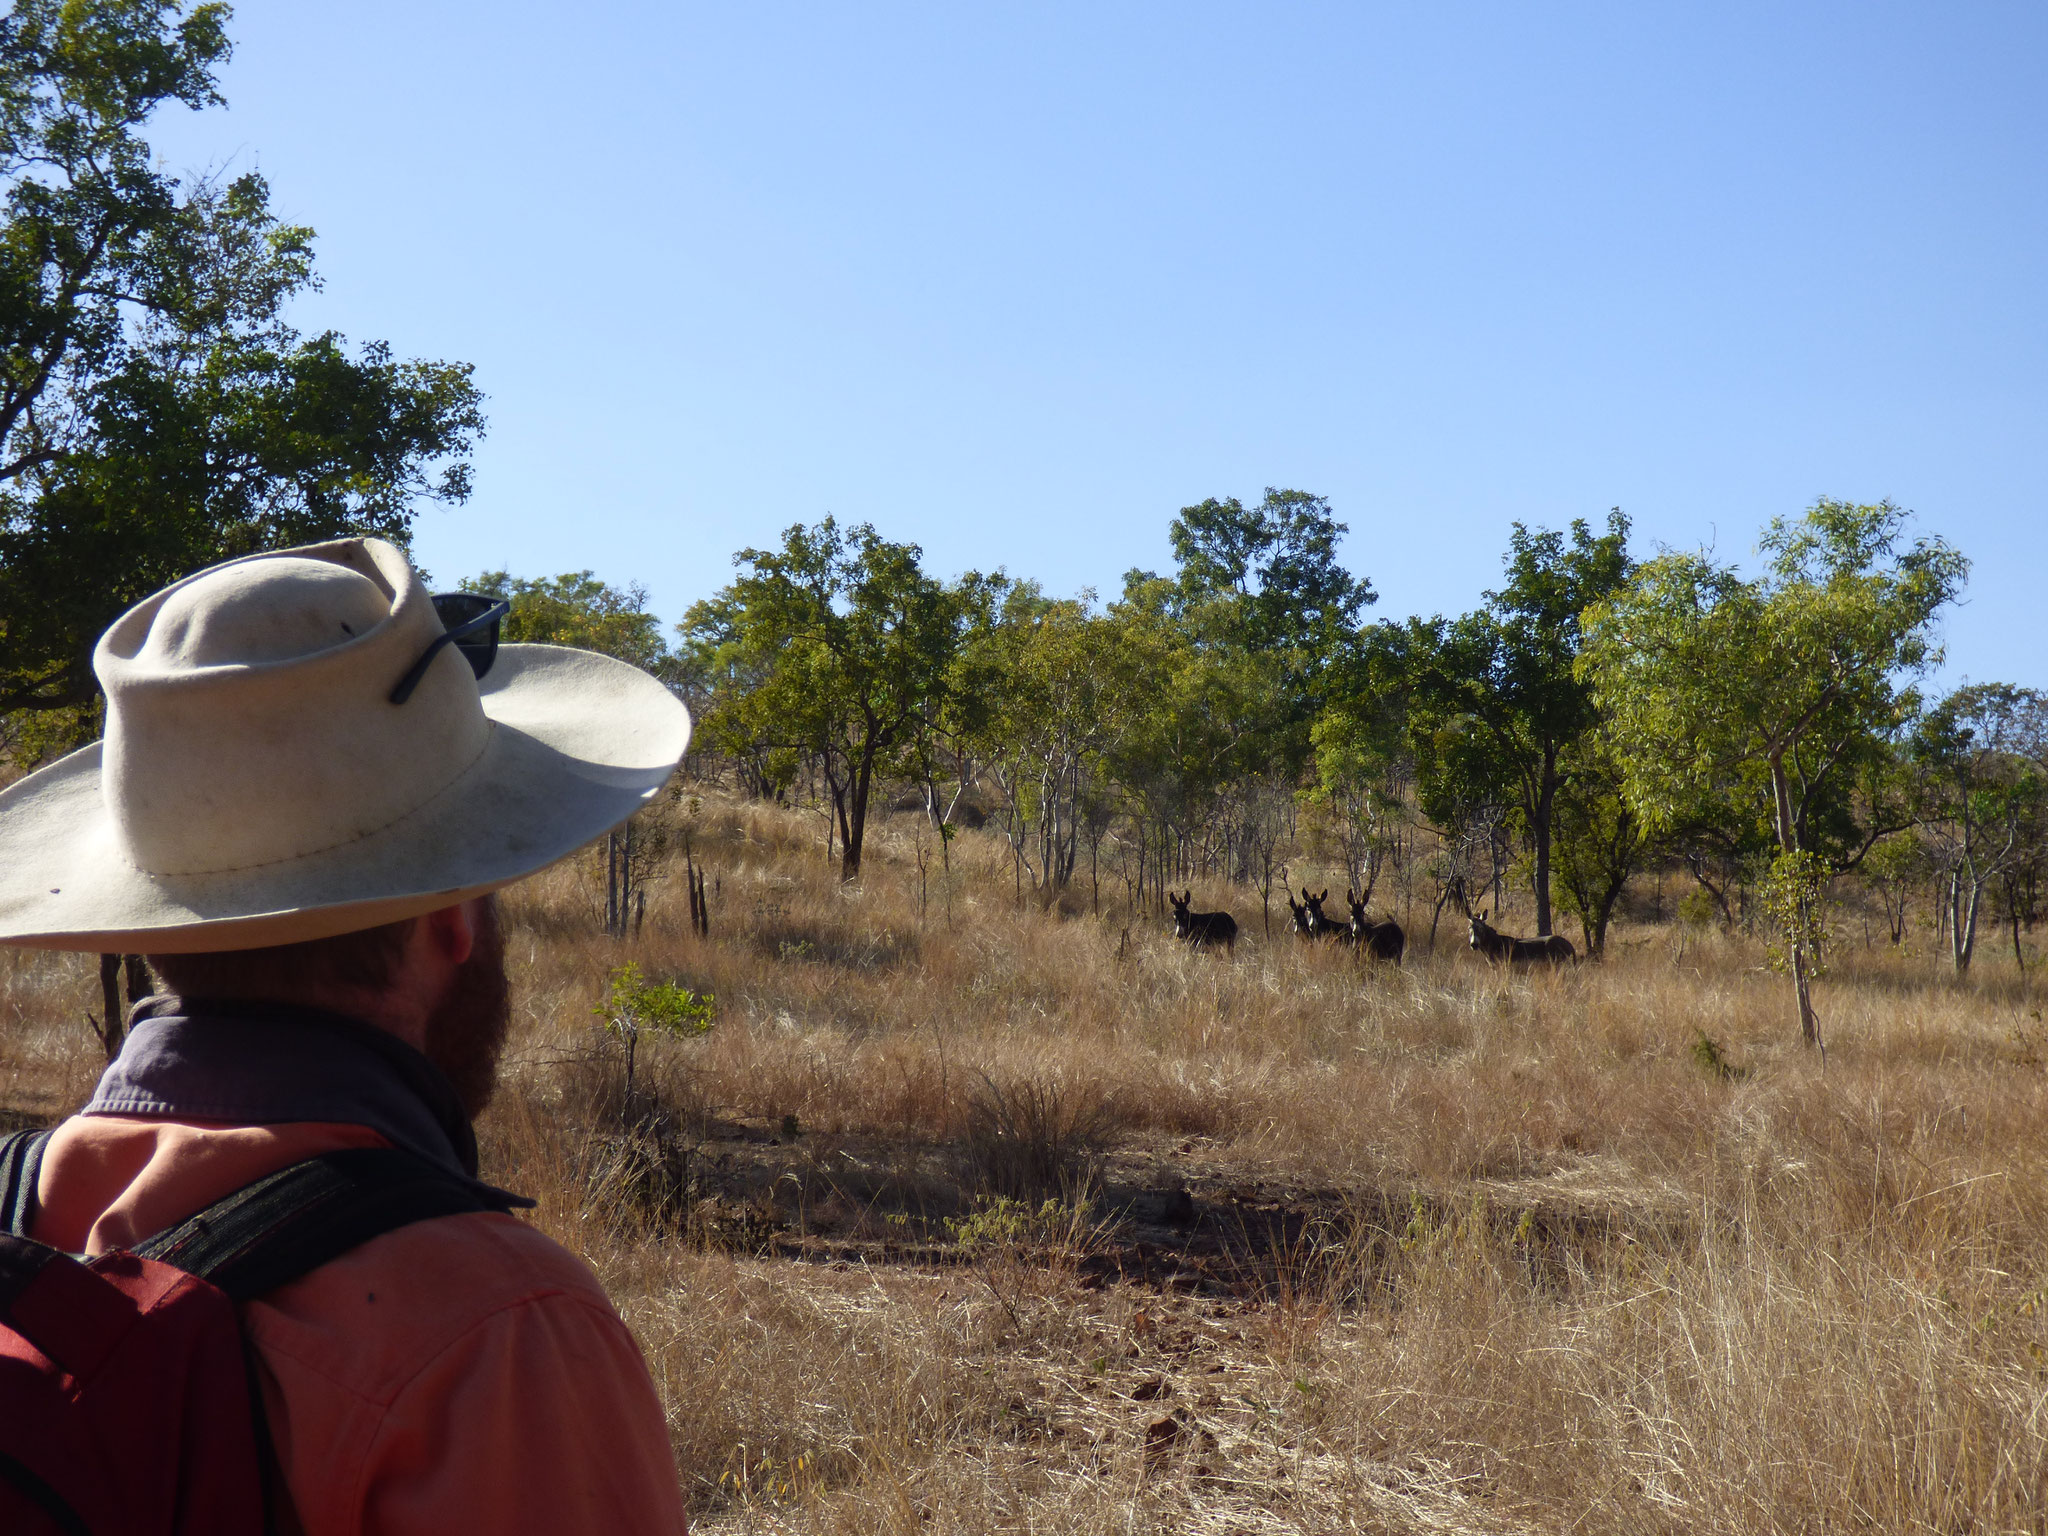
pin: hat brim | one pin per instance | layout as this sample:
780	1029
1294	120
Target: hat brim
579	742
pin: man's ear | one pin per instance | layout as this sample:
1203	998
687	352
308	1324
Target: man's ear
450	933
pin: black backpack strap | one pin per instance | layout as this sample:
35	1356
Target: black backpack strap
291	1222
21	1162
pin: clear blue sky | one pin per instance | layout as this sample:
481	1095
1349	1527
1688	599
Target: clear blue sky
1017	282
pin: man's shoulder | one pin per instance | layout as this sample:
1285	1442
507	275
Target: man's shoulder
377	1315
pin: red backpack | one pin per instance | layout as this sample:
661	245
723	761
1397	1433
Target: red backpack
128	1399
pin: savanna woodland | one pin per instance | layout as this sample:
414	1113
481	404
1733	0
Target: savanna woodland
946	1188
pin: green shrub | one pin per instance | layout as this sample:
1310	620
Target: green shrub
633	1007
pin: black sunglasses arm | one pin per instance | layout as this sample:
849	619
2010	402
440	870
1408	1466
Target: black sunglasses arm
411	680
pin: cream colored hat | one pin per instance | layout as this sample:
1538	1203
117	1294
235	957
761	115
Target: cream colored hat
257	786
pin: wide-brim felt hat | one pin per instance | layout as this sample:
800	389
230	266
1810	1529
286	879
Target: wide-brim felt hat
257	785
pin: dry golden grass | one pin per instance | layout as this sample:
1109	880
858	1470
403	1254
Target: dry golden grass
1441	1248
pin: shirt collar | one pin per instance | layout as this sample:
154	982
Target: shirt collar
250	1063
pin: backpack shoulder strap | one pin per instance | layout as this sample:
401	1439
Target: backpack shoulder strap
291	1222
21	1162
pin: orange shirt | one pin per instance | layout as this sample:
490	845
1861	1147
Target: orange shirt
459	1374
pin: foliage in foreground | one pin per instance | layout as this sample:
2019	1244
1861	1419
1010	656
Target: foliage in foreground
157	411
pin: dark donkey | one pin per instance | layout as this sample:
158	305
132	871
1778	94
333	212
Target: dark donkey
1383	941
1495	945
1201	929
1312	922
1304	926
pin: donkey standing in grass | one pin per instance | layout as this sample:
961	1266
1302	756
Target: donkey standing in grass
1201	929
1554	950
1304	927
1383	941
1312	922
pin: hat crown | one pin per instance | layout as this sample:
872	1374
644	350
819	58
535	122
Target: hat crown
263	611
249	718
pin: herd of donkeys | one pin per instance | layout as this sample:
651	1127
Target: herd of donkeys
1379	941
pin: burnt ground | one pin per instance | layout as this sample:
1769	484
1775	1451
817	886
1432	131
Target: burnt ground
1178	1216
1170	1216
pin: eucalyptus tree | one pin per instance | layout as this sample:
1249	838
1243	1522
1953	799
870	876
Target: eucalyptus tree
1765	694
846	648
157	412
1207	713
577	609
1497	706
1365	766
1060	689
1263	585
1981	750
2020	883
1896	867
1600	842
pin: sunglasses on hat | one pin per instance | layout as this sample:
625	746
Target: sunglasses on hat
471	622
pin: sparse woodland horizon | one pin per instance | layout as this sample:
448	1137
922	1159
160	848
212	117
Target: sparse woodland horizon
946	1190
1236	717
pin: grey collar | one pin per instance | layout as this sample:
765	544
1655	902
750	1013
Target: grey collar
275	1063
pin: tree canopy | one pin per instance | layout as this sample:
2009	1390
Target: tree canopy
848	649
1496	699
157	411
1769	691
577	609
1982	753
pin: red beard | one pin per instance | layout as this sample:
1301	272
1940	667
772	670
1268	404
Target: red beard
466	1032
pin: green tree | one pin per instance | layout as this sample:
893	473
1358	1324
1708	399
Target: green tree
1278	560
157	414
1208	715
1980	749
1495	693
1263	583
1894	868
1771	689
577	609
1600	842
849	648
1059	690
1364	761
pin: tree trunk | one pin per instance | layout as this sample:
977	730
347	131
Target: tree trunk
1809	1025
110	1005
1963	902
1788	842
841	794
611	881
1546	800
1964	945
854	825
1596	940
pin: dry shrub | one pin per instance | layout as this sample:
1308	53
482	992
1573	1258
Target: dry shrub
1037	1137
